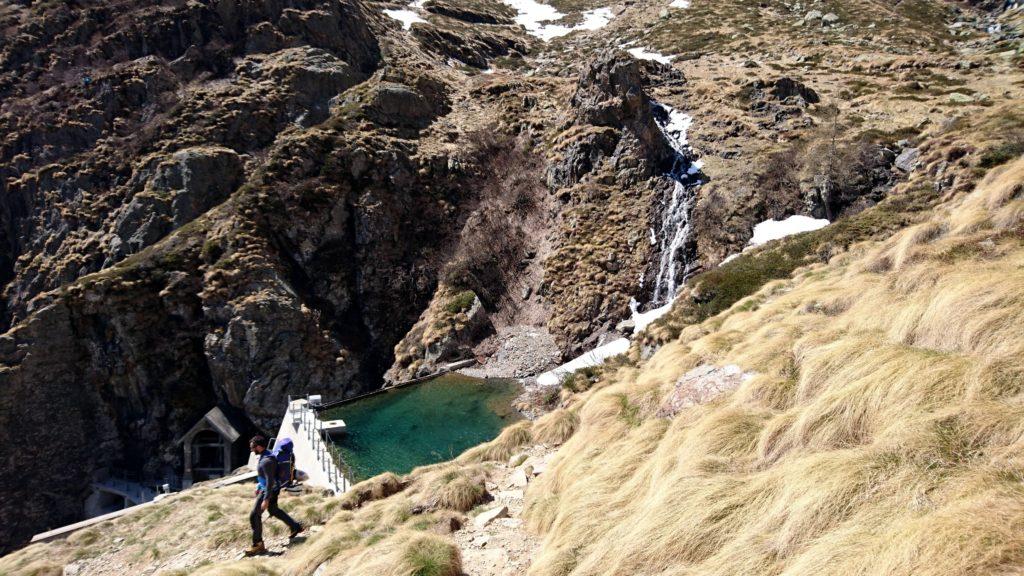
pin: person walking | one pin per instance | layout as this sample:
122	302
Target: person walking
266	497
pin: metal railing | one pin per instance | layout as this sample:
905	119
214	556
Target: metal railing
314	429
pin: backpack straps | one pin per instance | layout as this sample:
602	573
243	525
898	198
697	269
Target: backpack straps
267	482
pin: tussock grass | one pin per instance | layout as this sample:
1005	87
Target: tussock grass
501	448
555	427
882	433
461	494
429	555
380	486
408	554
455	488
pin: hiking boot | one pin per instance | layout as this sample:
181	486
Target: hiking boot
299	528
256	549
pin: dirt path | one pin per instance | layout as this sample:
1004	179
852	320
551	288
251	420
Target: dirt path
503	546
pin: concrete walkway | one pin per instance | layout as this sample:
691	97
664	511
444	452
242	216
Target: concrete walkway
312	454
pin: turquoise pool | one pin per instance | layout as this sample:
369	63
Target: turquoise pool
422	424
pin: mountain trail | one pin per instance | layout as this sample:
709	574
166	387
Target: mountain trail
495	541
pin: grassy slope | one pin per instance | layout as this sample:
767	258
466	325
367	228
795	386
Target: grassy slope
881	435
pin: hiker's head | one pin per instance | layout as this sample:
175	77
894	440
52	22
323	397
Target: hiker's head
258	444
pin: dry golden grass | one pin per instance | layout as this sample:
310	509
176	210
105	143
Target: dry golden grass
451	487
883	433
212	523
501	448
556	427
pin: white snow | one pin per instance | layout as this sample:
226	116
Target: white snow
695	167
593	358
675	128
680	4
641	320
406	17
774	229
642	53
595	19
597	356
537	18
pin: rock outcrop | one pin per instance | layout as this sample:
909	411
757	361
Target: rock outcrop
226	209
612	163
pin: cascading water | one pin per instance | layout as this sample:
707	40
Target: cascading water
673	267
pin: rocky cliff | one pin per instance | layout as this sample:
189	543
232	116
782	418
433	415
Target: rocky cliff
212	203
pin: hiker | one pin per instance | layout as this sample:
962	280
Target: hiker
266	497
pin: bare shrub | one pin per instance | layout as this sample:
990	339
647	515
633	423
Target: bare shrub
779	180
493	242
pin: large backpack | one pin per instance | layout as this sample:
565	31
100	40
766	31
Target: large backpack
284	453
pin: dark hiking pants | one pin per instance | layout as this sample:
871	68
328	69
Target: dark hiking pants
256	518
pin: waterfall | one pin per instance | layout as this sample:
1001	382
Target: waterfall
673	267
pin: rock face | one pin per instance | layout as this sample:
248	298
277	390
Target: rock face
176	192
700	386
613	113
472	33
66	170
612	165
446	332
908	159
226	208
783	100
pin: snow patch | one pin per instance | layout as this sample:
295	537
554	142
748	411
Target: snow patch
406	17
642	53
595	19
680	4
675	128
593	358
774	229
537	18
641	320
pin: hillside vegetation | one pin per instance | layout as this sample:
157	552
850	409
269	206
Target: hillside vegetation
880	431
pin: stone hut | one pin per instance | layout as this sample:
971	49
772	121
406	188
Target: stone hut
213	447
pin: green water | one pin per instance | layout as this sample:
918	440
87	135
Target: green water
422	424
